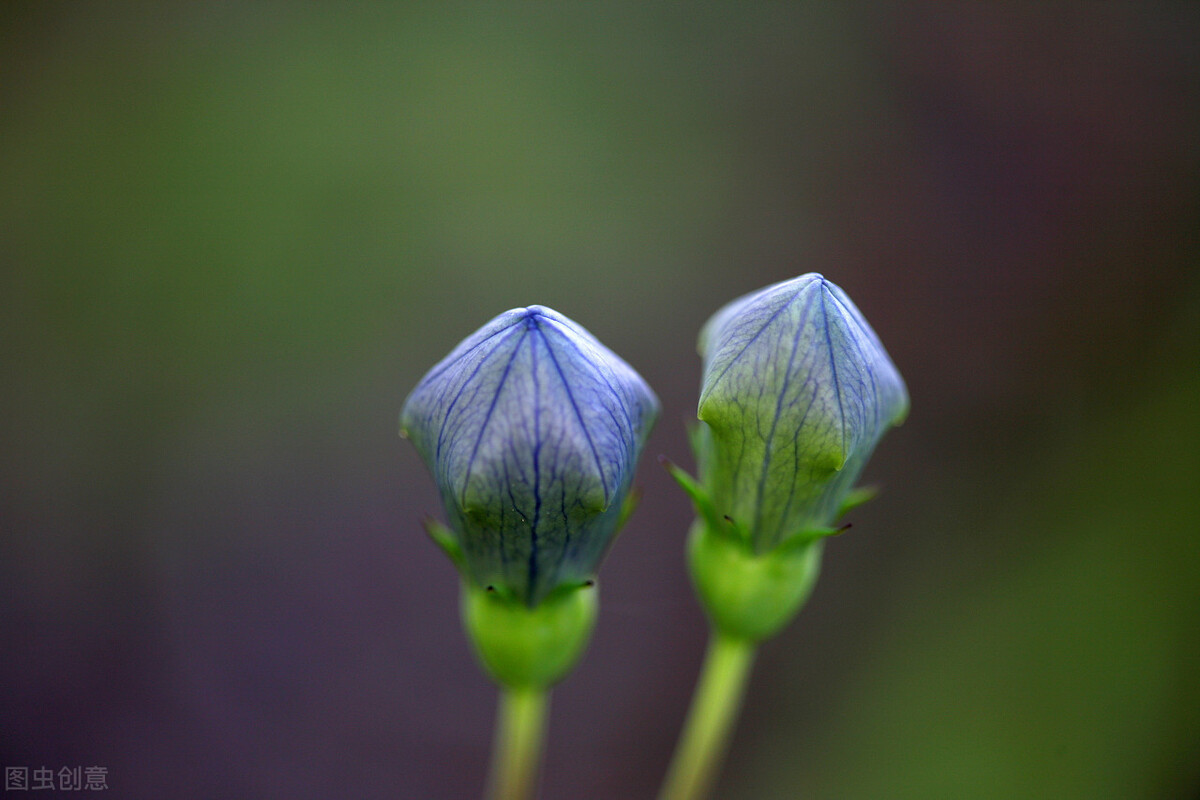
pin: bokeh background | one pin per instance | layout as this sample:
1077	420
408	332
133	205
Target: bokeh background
234	235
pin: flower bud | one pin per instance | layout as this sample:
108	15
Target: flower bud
797	391
532	430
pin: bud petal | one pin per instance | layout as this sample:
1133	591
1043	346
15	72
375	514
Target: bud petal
532	430
797	391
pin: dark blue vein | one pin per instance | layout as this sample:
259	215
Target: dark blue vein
566	543
465	383
868	363
436	371
812	400
578	415
487	418
787	378
754	338
833	369
512	501
611	388
537	477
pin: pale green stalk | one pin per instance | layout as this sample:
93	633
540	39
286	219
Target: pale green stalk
710	721
520	725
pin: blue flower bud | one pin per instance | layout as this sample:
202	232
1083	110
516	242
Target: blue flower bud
532	430
796	393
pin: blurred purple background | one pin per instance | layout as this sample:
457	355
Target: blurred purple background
235	235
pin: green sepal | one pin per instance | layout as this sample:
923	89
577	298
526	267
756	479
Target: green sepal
524	646
805	538
856	498
750	595
698	494
445	539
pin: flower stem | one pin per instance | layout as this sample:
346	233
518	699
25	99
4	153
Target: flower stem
714	710
520	723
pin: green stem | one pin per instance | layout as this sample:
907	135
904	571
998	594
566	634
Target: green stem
520	723
714	710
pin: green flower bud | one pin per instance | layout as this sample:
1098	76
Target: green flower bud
797	391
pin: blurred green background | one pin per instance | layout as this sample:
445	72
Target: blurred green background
234	235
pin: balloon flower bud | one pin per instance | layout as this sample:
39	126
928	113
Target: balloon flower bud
532	430
797	391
